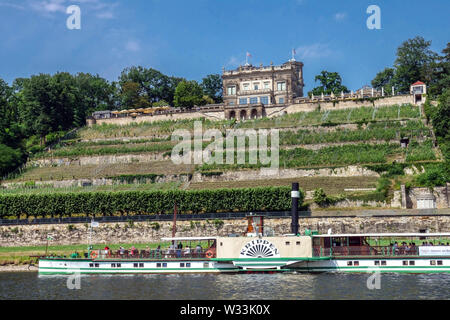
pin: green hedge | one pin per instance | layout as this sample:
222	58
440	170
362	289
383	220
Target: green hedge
146	202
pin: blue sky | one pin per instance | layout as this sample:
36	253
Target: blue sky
194	38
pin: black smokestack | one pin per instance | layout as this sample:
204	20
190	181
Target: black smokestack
294	210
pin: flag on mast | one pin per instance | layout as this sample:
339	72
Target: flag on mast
246	58
293	54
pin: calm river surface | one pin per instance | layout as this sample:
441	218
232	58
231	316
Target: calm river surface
27	285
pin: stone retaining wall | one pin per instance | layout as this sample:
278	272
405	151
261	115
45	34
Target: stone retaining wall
142	232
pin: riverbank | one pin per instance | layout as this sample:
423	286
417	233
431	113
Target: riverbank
18	268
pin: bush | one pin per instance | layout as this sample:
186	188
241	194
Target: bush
146	202
433	177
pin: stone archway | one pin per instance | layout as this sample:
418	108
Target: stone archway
232	115
243	115
254	114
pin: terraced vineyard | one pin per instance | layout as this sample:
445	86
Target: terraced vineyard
310	142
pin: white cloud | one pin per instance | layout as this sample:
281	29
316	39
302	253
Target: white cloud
102	9
340	16
132	46
312	51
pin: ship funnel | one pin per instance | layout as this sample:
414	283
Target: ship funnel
295	195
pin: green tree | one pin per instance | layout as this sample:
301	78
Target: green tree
132	96
384	79
330	82
9	159
212	87
188	94
442	74
153	85
415	61
94	93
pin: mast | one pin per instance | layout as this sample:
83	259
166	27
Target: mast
174	228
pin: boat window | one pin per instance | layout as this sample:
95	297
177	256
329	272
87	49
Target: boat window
439	262
188	264
206	265
349	263
405	263
432	262
141	265
135	265
158	265
164	264
221	244
356	263
119	265
412	263
182	265
383	263
288	243
91	265
97	265
297	243
113	265
377	263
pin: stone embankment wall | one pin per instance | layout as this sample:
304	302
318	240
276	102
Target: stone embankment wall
144	232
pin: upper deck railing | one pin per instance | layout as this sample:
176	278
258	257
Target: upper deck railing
161	254
382	251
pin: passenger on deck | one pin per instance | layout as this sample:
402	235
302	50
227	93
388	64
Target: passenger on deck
122	251
198	249
396	250
179	248
187	251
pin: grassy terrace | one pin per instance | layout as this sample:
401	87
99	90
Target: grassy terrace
379	131
363	114
115	187
331	185
101	171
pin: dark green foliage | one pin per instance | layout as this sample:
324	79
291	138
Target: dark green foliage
212	87
211	173
330	82
136	178
323	199
188	94
9	159
434	175
388	170
146	202
383	186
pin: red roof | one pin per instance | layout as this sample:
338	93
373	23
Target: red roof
417	83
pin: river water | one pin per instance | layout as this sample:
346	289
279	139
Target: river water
29	285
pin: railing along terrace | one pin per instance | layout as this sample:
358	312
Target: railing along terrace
364	251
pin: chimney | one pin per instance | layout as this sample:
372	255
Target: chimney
295	194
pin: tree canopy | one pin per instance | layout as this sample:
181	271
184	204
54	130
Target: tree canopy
330	82
415	61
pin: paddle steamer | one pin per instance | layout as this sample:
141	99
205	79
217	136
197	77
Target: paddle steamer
310	252
258	249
